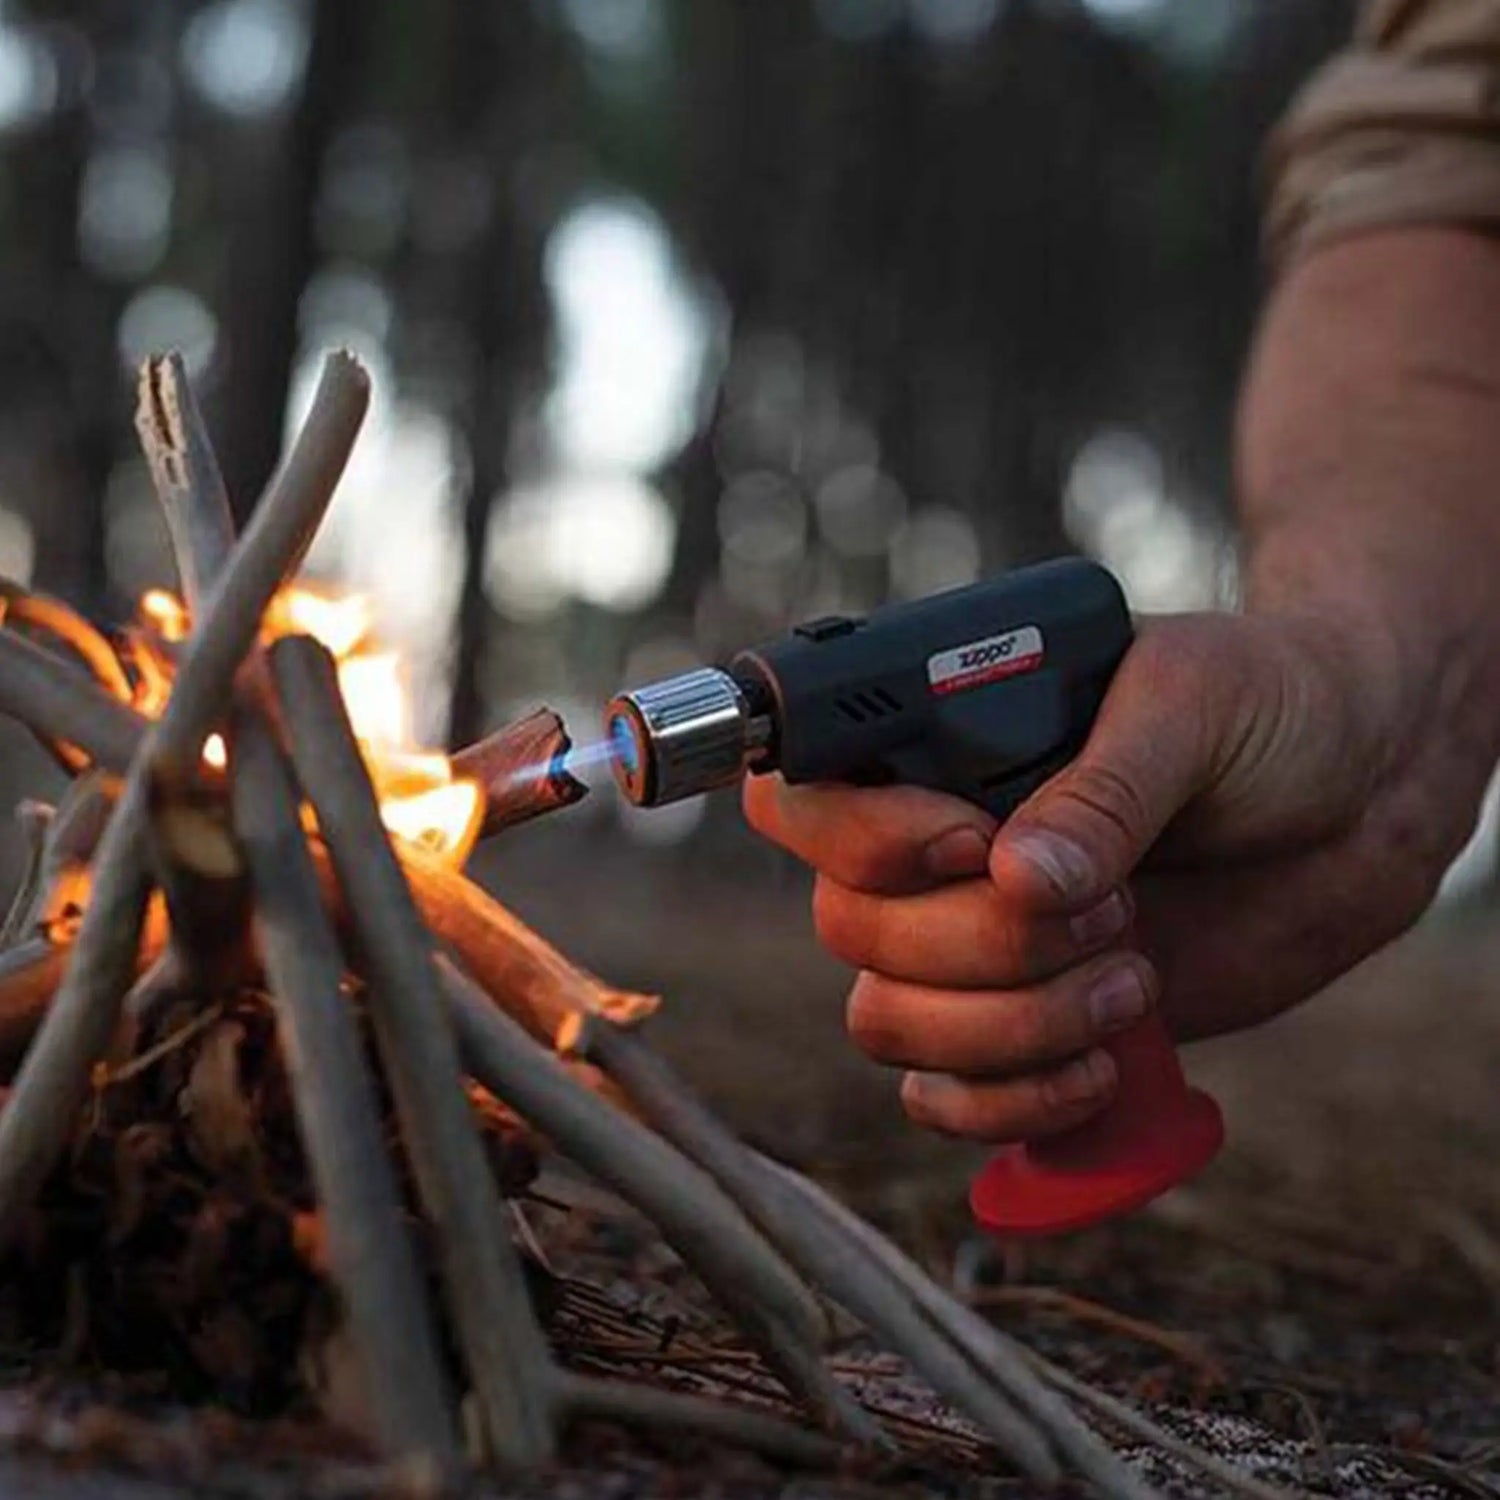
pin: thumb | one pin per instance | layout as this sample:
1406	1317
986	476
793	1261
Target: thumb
1079	836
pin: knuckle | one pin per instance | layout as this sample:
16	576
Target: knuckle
1034	1026
1111	796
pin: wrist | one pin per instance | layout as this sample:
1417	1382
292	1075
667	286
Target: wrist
1411	649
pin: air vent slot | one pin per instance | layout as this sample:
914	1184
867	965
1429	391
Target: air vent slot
868	706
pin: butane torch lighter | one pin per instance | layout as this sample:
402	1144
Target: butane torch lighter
983	692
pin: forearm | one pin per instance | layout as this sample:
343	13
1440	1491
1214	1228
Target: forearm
1369	462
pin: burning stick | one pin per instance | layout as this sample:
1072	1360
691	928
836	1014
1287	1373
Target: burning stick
521	768
503	1346
20	607
53	1080
368	1250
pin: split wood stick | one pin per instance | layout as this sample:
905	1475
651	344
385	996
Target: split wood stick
490	1307
280	531
999	1358
53	1080
185	471
711	1235
369	1251
522	770
670	1411
19	606
820	1250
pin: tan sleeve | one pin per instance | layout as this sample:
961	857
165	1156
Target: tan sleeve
1402	128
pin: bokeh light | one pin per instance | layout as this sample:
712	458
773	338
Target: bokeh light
168	317
631	339
246	56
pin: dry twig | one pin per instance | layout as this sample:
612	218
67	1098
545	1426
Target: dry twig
503	1346
368	1250
697	1220
53	1079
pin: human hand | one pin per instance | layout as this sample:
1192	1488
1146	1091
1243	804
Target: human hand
1264	800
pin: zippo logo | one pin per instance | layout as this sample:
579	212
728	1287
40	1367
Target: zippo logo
981	662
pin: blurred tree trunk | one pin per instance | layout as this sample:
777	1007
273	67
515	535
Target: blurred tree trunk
499	78
270	179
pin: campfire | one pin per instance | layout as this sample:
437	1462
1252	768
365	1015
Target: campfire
251	906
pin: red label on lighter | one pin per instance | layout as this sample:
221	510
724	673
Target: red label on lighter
980	662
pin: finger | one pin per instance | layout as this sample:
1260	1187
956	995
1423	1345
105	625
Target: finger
993	1032
1012	1109
1151	749
887	840
964	936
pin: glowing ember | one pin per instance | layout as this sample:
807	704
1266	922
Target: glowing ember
167	613
421	802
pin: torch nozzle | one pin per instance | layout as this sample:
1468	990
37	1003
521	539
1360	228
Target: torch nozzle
681	736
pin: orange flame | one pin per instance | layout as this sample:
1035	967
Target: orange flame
421	802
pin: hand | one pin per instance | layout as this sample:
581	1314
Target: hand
1264	801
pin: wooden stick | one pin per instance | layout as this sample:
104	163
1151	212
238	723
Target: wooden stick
280	531
202	874
520	969
369	1252
996	1357
653	1408
54	1079
21	607
522	770
490	1308
710	1234
819	1249
174	438
62	705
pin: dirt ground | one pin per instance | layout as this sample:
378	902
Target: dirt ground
1321	1307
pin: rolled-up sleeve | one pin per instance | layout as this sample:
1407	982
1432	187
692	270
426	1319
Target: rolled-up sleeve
1402	128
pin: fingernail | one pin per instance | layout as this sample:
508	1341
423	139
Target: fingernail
1118	999
960	851
1065	865
1101	923
1090	1077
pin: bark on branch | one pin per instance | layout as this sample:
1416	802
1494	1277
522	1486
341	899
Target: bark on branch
369	1253
491	1311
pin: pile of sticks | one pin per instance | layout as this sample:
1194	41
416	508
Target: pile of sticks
200	878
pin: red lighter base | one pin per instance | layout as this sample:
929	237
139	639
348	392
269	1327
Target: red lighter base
1156	1134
